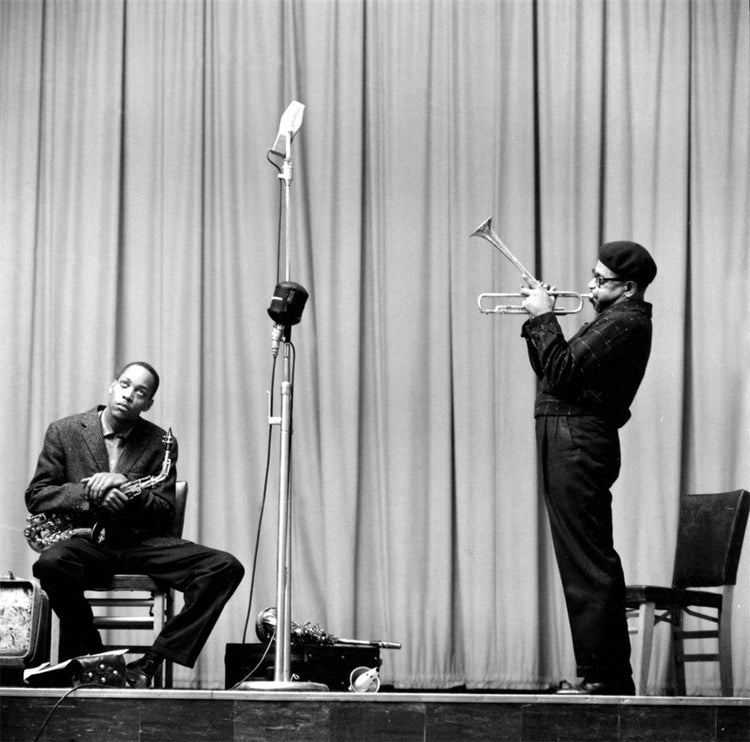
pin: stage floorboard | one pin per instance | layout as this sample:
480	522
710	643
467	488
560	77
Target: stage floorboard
271	716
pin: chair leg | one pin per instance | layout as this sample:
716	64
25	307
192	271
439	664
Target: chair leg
168	613
54	633
159	616
678	652
642	651
725	644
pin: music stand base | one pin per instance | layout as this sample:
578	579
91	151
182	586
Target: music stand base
282	686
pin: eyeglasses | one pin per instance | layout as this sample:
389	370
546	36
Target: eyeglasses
601	280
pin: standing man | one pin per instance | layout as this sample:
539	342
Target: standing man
587	385
85	461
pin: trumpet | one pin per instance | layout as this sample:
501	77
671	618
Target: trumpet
488	302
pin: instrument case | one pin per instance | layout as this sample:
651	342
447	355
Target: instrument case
24	627
331	665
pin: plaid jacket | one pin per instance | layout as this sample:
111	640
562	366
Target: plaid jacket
598	371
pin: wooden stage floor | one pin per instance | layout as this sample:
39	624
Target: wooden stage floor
271	716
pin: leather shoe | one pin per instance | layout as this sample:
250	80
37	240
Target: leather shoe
596	688
136	675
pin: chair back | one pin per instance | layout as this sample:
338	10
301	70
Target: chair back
709	539
180	496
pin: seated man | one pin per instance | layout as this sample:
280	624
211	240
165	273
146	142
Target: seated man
86	462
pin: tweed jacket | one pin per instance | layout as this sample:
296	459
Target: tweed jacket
74	448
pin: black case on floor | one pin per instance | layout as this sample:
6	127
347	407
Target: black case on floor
331	665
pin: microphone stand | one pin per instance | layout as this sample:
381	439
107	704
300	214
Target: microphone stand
282	680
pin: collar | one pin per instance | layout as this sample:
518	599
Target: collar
637	305
107	428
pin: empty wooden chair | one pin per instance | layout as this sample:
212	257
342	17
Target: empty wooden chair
709	542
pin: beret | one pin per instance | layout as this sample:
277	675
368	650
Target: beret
629	261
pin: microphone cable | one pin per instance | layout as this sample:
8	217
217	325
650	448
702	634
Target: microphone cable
57	705
264	497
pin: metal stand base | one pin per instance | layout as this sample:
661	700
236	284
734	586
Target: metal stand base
282	686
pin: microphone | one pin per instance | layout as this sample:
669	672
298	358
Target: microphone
287	303
291	120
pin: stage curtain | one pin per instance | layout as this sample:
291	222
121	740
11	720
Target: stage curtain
141	219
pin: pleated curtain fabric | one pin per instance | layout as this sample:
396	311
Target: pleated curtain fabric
140	220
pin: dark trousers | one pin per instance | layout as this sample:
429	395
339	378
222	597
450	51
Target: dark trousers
205	576
580	460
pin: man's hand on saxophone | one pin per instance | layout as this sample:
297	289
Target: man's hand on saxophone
102	490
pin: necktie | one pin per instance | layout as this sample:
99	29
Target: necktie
117	444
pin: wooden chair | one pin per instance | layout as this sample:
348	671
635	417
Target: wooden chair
709	542
149	594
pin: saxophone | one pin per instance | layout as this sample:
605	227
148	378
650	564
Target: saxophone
45	529
309	633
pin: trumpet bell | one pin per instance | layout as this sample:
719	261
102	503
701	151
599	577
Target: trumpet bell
484	230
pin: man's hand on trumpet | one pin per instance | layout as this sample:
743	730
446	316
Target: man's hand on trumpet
538	300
